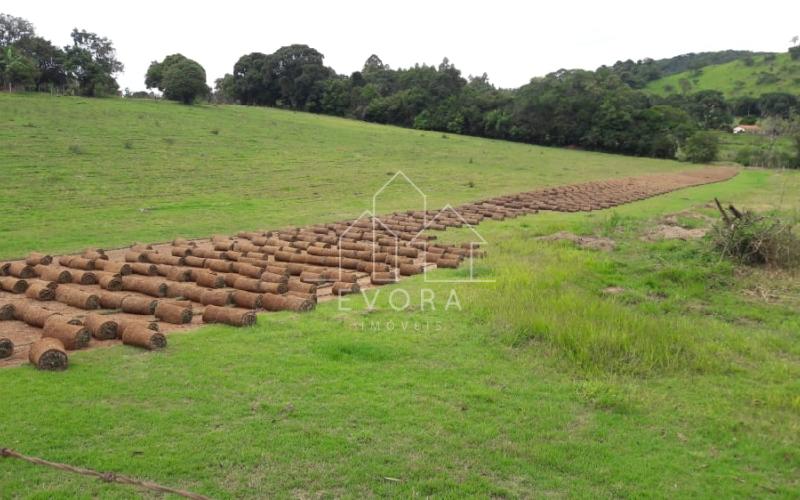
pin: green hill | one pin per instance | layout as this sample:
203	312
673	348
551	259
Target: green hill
749	76
107	172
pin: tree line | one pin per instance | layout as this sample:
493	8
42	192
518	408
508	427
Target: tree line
30	62
602	110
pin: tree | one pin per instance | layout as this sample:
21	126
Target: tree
51	73
91	61
155	72
778	104
710	110
184	81
16	70
14	29
225	89
702	147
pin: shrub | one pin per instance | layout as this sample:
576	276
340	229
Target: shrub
754	239
748	120
702	147
765	157
794	53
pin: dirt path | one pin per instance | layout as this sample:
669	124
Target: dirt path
286	269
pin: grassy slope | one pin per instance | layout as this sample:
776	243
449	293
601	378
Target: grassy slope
684	385
724	77
78	172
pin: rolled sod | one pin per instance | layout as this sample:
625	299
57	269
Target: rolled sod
194	261
173	313
94	254
114	267
77	298
19	270
448	263
215	297
249	270
179	274
271	277
48	354
36	258
209	279
186	290
246	299
6	347
306	296
125	323
135	304
40	291
13	285
140	336
295	285
32	314
145	269
411	269
273	302
77	262
270	287
101	327
6	312
152	287
229	315
220	266
84	277
53	273
383	278
344	288
339	275
247	284
109	281
71	336
111	300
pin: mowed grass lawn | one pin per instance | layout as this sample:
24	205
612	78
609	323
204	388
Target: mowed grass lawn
109	172
685	383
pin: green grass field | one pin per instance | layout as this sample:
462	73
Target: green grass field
736	78
78	172
686	383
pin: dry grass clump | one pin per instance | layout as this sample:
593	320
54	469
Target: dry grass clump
754	239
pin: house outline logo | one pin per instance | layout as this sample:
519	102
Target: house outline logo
472	246
377	224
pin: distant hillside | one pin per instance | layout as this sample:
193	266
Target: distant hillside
638	74
752	76
695	60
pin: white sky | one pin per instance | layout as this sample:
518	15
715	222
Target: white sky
511	41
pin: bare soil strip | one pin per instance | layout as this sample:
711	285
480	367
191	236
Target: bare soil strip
136	294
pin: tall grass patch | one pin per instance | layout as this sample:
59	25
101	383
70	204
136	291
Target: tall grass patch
539	299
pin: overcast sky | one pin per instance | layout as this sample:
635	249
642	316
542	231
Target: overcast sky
511	41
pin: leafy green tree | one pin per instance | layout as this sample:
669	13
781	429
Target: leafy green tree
16	70
184	81
710	109
224	89
253	80
155	72
92	63
13	29
779	104
51	73
702	147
